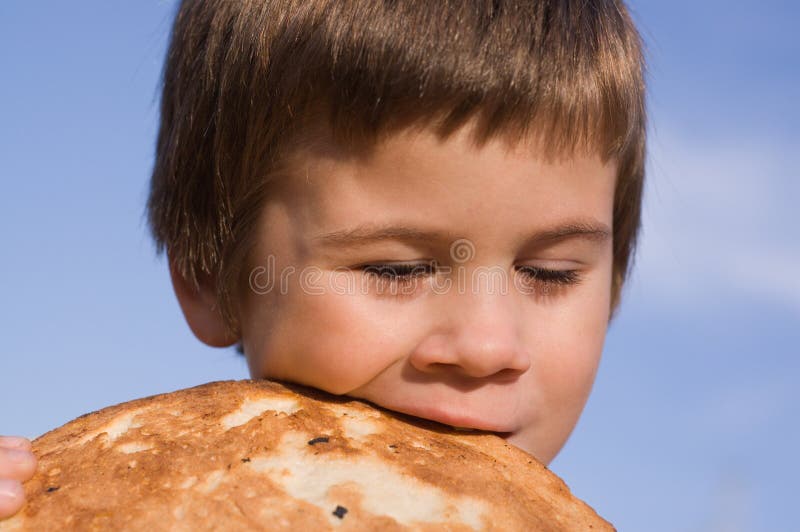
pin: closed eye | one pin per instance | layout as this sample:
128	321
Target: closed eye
401	271
529	279
537	281
398	271
556	277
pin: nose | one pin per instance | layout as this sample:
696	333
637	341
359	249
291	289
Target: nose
481	337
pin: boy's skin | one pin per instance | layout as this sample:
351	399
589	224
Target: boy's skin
518	361
514	362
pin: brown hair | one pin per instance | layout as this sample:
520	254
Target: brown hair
243	79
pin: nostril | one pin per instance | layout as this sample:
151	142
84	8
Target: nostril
439	368
476	355
484	373
507	375
500	369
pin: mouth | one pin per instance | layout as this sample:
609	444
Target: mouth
458	422
503	434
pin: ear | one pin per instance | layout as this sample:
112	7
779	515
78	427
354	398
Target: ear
200	309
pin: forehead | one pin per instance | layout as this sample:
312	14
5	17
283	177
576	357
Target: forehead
452	185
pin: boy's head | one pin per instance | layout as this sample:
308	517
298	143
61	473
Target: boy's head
430	205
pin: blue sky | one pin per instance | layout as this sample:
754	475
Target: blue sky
693	421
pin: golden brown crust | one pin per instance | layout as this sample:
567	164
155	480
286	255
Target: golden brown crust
255	454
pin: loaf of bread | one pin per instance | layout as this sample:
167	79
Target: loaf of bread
262	455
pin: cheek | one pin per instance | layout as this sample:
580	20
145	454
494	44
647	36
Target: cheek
568	372
574	348
330	341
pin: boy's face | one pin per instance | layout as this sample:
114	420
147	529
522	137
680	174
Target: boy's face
453	343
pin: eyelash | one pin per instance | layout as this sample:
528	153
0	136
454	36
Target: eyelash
551	277
404	273
397	273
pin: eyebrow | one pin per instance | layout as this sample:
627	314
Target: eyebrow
585	229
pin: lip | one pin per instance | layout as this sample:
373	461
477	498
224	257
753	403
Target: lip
454	420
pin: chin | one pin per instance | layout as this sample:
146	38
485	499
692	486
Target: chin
522	441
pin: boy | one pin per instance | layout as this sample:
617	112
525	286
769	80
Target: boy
428	205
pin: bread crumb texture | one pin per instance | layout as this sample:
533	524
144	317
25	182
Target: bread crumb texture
264	455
